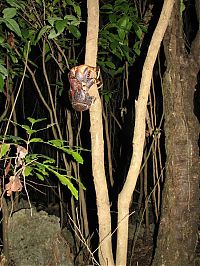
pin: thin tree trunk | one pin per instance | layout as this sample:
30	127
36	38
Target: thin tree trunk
96	129
139	134
178	229
5	231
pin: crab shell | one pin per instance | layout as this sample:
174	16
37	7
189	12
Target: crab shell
81	100
81	78
85	74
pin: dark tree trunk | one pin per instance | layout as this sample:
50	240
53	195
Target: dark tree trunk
177	236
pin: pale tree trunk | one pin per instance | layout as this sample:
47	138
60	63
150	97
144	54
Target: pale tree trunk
97	142
139	134
177	236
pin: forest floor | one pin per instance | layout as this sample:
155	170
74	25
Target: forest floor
143	252
140	252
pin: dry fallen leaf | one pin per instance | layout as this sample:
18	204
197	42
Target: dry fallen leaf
14	185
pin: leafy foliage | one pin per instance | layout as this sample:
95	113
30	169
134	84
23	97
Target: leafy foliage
120	36
39	165
22	23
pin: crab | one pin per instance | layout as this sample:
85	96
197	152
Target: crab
81	79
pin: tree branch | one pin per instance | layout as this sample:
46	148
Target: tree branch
139	133
102	199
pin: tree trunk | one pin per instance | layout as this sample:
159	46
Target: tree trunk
177	237
97	143
139	134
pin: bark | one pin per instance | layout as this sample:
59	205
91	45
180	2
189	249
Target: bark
5	229
97	143
177	235
139	134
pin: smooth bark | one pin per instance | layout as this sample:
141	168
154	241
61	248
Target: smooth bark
139	134
97	143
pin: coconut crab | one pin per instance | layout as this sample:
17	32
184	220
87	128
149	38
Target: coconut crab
81	78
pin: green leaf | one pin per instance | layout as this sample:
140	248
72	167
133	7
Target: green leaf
77	157
52	20
182	7
110	64
39	176
39	2
42	169
28	170
70	17
55	2
79	182
121	34
114	45
138	32
4	149
117	53
60	25
14	3
75	31
14	59
26	49
56	142
111	72
69	2
53	34
77	10
81	185
33	120
13	26
107	6
101	63
123	7
113	18
3	70
119	70
42	31
31	131
9	12
66	182
143	28
48	56
136	48
49	161
28	129
109	26
107	98
123	22
36	140
31	157
11	138
1	83
1	39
